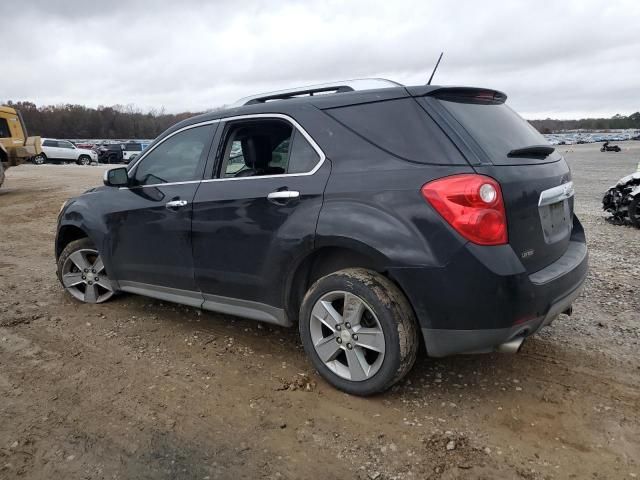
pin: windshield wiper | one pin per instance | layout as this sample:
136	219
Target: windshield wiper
532	151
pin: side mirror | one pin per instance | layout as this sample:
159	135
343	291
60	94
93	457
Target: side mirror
116	177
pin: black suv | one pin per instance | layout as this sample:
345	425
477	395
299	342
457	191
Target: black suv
110	153
371	217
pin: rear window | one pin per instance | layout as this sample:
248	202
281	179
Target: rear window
400	127
495	127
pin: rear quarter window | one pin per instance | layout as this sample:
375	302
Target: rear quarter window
400	127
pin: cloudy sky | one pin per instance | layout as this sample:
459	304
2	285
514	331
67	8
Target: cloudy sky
553	59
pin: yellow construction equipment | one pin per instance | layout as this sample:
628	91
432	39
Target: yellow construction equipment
16	146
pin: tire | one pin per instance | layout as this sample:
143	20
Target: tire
384	312
84	160
39	159
82	274
634	211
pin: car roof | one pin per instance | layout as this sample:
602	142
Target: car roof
266	104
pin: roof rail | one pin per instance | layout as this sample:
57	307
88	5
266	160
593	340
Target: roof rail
332	87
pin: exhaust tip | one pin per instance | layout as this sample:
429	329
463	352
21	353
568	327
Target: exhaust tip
512	346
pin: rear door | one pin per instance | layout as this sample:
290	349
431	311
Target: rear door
258	213
535	180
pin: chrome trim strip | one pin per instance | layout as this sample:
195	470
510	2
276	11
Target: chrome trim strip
215	303
281	116
556	194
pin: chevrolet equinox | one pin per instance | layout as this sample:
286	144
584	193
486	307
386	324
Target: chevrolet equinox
372	214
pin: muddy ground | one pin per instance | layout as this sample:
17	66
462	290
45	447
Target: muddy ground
137	388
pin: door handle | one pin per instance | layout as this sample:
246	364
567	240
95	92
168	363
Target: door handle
176	204
283	195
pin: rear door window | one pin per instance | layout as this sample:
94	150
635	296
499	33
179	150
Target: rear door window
303	157
258	148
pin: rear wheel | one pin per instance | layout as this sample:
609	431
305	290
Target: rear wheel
82	273
634	211
359	331
39	159
84	160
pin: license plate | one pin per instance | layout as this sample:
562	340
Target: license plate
556	220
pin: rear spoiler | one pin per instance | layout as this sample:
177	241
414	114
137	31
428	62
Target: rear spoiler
484	96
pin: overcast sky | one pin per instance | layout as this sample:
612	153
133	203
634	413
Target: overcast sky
561	59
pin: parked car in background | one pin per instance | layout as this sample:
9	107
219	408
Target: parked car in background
63	151
363	214
111	153
130	150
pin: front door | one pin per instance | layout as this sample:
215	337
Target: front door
257	215
150	221
66	150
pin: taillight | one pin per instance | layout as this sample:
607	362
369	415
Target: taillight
472	205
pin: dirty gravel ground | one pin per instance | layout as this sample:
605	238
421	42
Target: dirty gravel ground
137	388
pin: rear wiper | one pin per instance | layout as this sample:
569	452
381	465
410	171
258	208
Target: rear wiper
532	151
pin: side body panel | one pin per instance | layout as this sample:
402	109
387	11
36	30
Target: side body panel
244	243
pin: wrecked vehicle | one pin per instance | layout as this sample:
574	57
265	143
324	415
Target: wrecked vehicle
610	148
623	200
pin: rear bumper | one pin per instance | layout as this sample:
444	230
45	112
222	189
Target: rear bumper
484	297
444	342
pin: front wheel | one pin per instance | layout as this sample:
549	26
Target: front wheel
84	160
82	273
359	331
40	159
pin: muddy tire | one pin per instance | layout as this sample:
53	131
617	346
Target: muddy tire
634	211
40	159
359	331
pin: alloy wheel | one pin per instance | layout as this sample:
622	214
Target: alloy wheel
84	277
347	336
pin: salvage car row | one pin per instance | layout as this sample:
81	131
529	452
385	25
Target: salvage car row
64	151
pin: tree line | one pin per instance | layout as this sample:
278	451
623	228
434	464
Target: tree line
78	121
616	122
126	121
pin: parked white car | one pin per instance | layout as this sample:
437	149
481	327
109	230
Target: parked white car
131	150
64	151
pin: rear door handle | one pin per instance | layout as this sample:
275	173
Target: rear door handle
176	204
283	195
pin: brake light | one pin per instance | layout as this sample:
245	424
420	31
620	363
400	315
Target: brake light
472	205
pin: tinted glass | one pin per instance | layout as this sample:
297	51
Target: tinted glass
303	157
256	148
176	159
49	143
64	144
133	147
4	128
400	127
235	162
496	128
